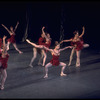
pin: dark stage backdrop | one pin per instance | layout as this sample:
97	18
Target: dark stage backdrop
73	14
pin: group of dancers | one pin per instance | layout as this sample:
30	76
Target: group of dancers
42	47
77	44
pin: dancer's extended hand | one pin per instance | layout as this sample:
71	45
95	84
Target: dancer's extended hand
43	27
83	28
2	25
18	22
61	42
28	40
4	37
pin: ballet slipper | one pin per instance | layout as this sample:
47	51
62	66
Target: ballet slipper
2	87
30	65
20	52
46	76
43	65
78	65
69	64
39	64
62	74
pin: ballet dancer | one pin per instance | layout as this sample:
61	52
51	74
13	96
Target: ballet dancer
3	64
47	44
43	40
12	37
78	44
55	59
47	37
55	54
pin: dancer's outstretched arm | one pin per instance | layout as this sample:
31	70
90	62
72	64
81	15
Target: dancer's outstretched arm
65	41
16	26
65	48
82	32
6	28
33	44
44	32
51	50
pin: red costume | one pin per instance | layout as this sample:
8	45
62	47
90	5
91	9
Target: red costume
47	45
12	39
41	41
4	61
0	51
55	60
0	43
79	44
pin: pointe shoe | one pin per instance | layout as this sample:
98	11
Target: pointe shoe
2	87
69	64
46	76
43	65
30	65
20	52
39	64
62	74
78	65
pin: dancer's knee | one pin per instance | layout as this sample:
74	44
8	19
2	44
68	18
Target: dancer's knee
46	66
64	65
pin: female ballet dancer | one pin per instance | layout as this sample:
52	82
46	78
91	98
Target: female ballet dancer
43	40
47	44
55	60
78	44
3	64
12	37
47	37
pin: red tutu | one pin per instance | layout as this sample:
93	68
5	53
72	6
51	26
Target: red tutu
4	61
55	60
79	44
12	39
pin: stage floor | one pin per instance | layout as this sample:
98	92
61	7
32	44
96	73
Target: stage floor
26	82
